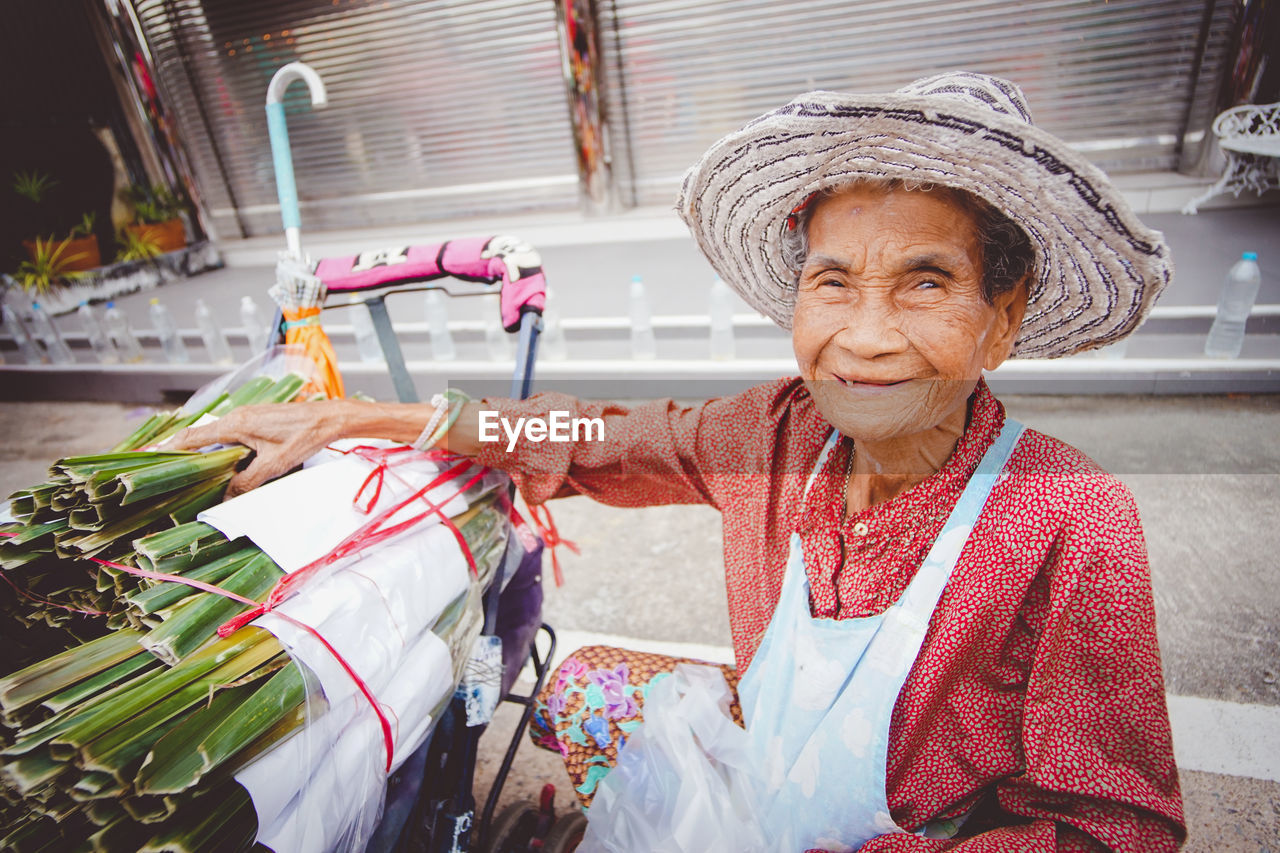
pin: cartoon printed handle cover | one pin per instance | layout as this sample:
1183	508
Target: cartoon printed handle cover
487	260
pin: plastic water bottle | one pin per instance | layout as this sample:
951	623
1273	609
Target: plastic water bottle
642	342
551	342
366	334
98	339
117	326
254	326
721	320
497	341
214	341
1226	336
27	349
442	348
43	328
175	350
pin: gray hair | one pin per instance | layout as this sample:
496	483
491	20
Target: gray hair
1007	255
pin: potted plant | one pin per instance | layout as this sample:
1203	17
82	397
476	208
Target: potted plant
33	186
52	263
81	244
137	245
157	214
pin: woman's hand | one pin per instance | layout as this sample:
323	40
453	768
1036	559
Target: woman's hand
281	437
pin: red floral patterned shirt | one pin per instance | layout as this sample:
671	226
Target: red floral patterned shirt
1037	699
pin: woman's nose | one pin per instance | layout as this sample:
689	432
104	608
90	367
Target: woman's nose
871	328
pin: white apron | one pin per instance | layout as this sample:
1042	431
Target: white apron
819	694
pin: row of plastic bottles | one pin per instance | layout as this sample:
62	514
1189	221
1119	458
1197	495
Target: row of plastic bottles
498	343
721	307
113	341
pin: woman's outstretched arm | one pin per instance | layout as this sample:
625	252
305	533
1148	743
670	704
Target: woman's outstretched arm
282	437
651	453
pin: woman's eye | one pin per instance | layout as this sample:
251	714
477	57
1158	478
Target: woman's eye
928	284
830	282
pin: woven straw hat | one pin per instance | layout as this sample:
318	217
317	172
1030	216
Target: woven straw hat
1098	268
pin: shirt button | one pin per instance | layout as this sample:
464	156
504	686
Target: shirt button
861	528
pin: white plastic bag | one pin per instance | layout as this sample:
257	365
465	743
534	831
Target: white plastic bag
684	781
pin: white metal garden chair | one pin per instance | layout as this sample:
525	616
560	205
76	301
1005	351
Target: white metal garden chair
1250	137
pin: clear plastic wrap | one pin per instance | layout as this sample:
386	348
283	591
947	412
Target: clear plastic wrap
398	622
273	363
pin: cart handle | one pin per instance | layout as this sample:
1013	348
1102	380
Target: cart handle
281	156
488	261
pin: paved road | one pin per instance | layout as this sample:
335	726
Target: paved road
1206	474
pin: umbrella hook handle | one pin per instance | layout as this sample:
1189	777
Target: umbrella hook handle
282	157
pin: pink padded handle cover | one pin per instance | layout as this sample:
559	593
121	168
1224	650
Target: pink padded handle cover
487	260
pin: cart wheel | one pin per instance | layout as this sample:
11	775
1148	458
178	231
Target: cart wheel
513	828
567	834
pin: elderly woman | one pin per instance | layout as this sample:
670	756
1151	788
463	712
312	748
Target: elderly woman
942	621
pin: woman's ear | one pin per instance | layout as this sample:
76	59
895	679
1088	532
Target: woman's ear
1010	308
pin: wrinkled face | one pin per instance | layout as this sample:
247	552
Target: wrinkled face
891	331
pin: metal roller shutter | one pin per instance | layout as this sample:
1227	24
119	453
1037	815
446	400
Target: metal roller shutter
1126	81
435	108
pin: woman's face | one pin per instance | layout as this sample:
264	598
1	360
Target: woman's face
891	331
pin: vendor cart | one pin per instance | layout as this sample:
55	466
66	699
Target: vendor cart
430	806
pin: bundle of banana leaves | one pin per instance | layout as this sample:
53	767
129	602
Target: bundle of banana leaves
93	507
130	738
131	741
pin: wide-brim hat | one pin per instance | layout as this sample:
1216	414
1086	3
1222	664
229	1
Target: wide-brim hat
1098	269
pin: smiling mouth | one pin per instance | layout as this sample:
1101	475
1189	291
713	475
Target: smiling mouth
869	383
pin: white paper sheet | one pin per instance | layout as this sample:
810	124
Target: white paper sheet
301	518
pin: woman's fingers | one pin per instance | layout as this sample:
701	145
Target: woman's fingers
282	437
233	428
274	459
251	477
250	426
194	438
266	464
